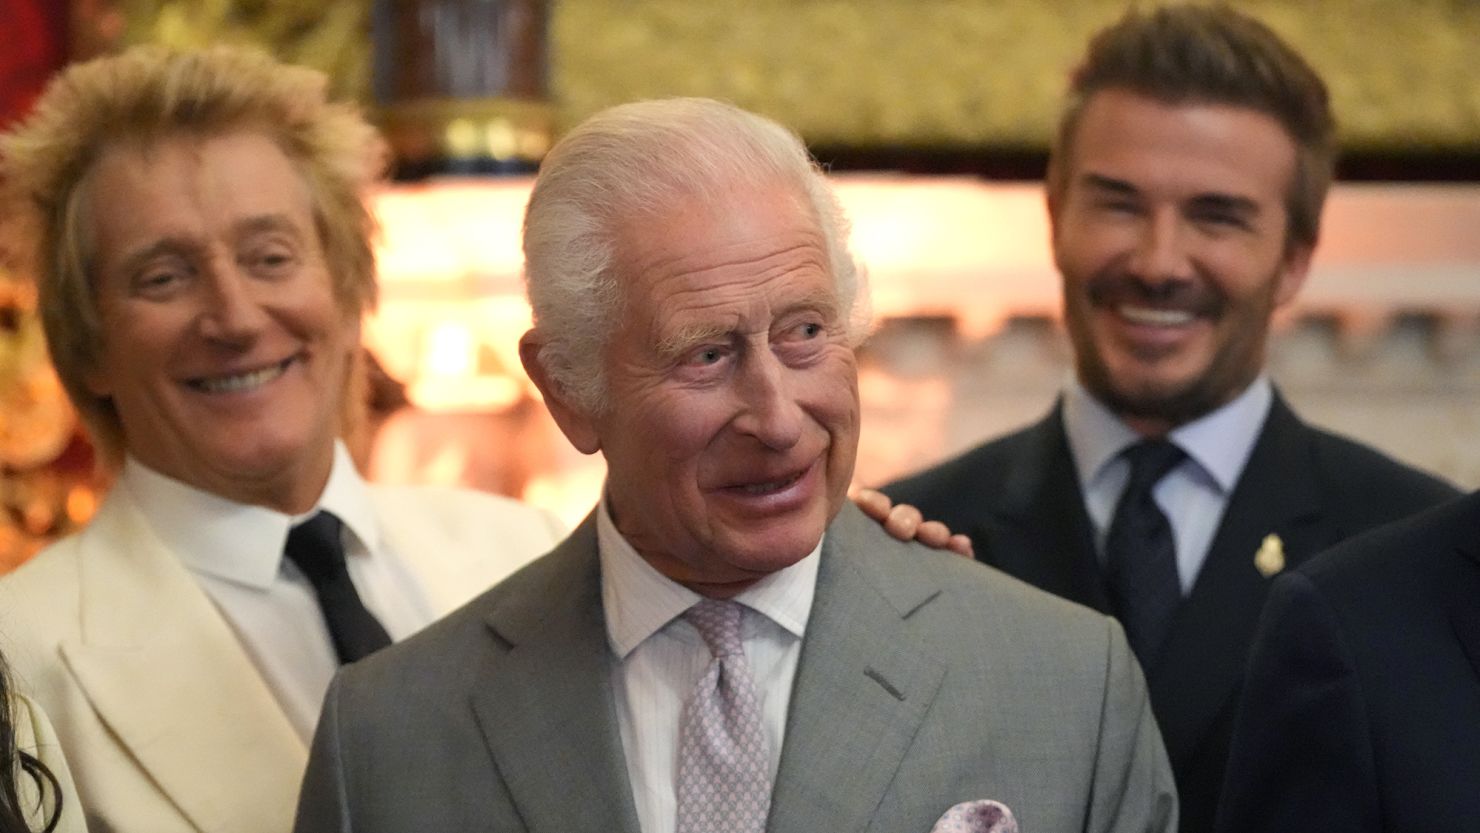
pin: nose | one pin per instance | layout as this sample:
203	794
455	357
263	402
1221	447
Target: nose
769	410
232	306
1160	253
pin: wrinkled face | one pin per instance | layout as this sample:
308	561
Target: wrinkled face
223	349
1170	235
733	422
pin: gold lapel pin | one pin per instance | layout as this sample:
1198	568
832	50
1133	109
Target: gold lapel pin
1270	558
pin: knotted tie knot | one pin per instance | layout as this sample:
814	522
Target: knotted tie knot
718	623
316	547
1150	461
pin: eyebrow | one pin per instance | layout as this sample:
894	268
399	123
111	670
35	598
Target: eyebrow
1213	200
186	245
823	301
172	245
685	338
1226	203
1099	182
264	223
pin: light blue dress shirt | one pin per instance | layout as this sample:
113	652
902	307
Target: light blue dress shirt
1195	493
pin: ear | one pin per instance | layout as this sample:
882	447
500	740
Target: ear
97	382
1293	271
575	423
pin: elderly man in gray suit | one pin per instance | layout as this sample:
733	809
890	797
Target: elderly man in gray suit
726	644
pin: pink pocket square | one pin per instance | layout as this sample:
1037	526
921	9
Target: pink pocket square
977	817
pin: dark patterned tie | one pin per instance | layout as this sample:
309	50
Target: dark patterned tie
1141	554
723	780
317	548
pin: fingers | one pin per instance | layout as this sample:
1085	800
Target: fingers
874	503
903	522
937	535
933	534
907	524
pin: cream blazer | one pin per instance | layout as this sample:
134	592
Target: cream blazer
165	721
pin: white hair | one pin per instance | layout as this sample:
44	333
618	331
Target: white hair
634	161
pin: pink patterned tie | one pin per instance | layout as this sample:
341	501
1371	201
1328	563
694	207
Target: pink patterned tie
724	785
977	817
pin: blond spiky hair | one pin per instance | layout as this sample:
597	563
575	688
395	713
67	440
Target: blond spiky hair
140	97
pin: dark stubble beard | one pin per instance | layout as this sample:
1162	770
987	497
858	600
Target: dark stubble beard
1240	328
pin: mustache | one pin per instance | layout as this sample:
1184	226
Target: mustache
1196	297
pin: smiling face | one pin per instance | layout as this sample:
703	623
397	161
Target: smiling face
223	349
1170	235
733	418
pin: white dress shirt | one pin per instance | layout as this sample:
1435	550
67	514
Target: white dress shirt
235	551
1194	494
660	657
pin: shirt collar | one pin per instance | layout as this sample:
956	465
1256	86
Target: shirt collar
1219	442
240	542
639	601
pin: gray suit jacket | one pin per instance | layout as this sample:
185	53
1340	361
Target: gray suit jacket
924	680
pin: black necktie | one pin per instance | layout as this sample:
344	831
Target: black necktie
1140	553
315	546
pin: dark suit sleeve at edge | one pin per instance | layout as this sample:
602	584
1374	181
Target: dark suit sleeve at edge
323	805
1133	788
1302	756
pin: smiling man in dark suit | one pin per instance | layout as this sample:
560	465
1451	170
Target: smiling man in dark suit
1171	481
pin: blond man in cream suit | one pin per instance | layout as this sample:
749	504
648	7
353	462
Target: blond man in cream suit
204	267
167	721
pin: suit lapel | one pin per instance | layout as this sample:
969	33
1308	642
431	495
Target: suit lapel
863	685
1202	665
545	703
1465	613
1041	532
410	531
167	675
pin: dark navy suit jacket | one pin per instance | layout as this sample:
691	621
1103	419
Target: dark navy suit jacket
1362	711
1019	500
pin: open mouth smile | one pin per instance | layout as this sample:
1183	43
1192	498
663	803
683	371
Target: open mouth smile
1153	317
770	487
239	382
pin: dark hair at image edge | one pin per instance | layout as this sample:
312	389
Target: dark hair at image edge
15	764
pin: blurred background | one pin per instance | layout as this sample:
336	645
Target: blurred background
934	117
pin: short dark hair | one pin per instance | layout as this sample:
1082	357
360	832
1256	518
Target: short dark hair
1191	54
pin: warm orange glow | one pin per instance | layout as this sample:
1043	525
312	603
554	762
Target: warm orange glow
955	246
460	233
963	251
568	494
82	502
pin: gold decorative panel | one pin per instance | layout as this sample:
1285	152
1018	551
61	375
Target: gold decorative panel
869	72
330	35
897	72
